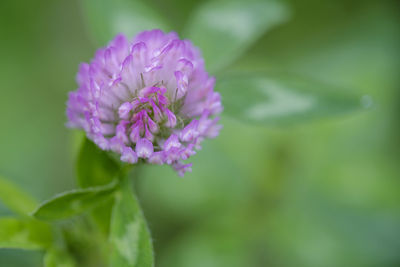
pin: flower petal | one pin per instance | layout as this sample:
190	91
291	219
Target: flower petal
128	155
144	148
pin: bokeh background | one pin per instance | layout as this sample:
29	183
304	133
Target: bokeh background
320	194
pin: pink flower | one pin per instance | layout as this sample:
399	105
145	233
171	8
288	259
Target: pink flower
150	98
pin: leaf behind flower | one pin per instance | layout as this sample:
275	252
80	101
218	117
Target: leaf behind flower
224	30
15	198
267	99
106	18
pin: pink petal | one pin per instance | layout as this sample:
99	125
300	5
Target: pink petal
144	148
124	110
128	155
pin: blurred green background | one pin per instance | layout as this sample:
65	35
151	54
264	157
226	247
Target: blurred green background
325	193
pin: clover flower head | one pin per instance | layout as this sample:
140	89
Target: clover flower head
148	99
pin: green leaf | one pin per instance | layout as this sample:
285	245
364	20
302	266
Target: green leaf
106	18
58	258
224	30
130	237
24	234
95	166
101	216
15	199
277	99
74	202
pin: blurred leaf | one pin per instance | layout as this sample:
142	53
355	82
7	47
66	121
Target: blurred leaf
58	258
224	30
277	99
95	166
74	202
15	199
106	18
130	237
24	234
102	216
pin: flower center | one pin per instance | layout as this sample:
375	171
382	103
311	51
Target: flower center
146	116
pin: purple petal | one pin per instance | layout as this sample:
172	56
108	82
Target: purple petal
121	131
189	132
116	145
182	83
101	142
148	134
156	111
152	125
182	168
124	110
147	91
157	158
135	133
171	122
144	148
172	141
128	155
